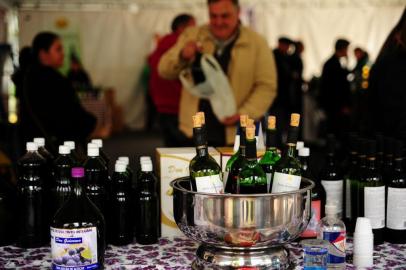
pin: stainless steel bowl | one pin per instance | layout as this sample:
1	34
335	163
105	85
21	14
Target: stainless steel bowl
239	223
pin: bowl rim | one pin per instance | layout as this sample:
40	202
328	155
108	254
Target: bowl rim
173	183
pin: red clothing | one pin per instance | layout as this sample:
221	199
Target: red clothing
164	93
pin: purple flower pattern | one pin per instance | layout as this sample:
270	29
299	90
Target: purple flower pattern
176	253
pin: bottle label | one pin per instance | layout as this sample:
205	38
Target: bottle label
348	200
311	230
209	184
336	251
396	219
74	249
374	206
283	182
334	192
268	180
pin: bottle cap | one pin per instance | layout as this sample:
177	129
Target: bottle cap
40	142
202	117
31	146
120	167
92	150
271	122
145	159
331	208
197	121
294	119
125	159
64	150
78	172
299	145
70	144
304	152
250	132
146	167
98	142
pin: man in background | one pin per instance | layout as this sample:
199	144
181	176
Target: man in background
165	94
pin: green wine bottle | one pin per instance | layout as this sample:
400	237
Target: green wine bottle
237	161
271	155
287	172
251	179
350	177
205	173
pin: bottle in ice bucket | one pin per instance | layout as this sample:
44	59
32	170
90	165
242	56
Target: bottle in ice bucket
31	212
205	173
78	230
147	207
251	179
287	172
62	174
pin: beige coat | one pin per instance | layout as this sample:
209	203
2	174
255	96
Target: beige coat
251	72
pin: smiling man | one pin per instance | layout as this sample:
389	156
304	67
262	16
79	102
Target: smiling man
244	57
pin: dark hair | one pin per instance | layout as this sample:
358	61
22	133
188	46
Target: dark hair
235	2
285	40
42	41
341	44
180	20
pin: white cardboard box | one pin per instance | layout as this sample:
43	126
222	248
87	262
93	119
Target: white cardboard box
174	163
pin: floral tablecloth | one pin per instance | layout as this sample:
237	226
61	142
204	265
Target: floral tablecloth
175	253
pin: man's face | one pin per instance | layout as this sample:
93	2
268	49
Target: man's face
54	56
224	17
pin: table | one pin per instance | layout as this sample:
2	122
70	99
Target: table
174	253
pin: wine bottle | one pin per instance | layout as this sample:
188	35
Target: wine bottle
396	200
271	155
357	184
318	195
147	207
120	218
350	177
387	167
78	230
62	174
251	179
380	143
287	172
31	213
205	173
331	178
237	161
372	190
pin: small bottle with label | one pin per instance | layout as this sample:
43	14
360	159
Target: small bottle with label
332	229
78	230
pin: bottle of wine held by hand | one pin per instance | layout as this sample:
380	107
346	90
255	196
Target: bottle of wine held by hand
271	155
237	161
78	230
205	173
396	200
287	172
331	178
252	179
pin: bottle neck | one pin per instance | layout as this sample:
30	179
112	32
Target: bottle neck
370	163
398	164
304	162
77	190
199	136
147	182
243	142
271	139
251	150
362	161
353	159
290	150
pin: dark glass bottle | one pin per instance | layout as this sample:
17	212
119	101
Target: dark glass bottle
387	167
251	179
372	199
331	178
103	155
350	178
237	161
43	151
396	200
78	230
73	153
61	190
287	171
205	173
380	143
271	155
147	207
33	229
318	195
357	184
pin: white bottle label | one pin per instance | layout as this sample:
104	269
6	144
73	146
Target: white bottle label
348	199
283	182
374	206
268	180
74	248
334	192
209	184
396	219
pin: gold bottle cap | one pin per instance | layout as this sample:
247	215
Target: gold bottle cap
202	117
250	132
250	122
243	120
294	119
197	121
271	122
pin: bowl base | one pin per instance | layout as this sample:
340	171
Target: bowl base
209	257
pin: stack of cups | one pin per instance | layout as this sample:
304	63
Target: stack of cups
363	243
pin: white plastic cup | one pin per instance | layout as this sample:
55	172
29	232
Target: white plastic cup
363	243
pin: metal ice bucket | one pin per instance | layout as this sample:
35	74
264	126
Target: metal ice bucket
238	230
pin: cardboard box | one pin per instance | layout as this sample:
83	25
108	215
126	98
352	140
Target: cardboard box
174	163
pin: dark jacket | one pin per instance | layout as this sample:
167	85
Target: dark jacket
50	108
